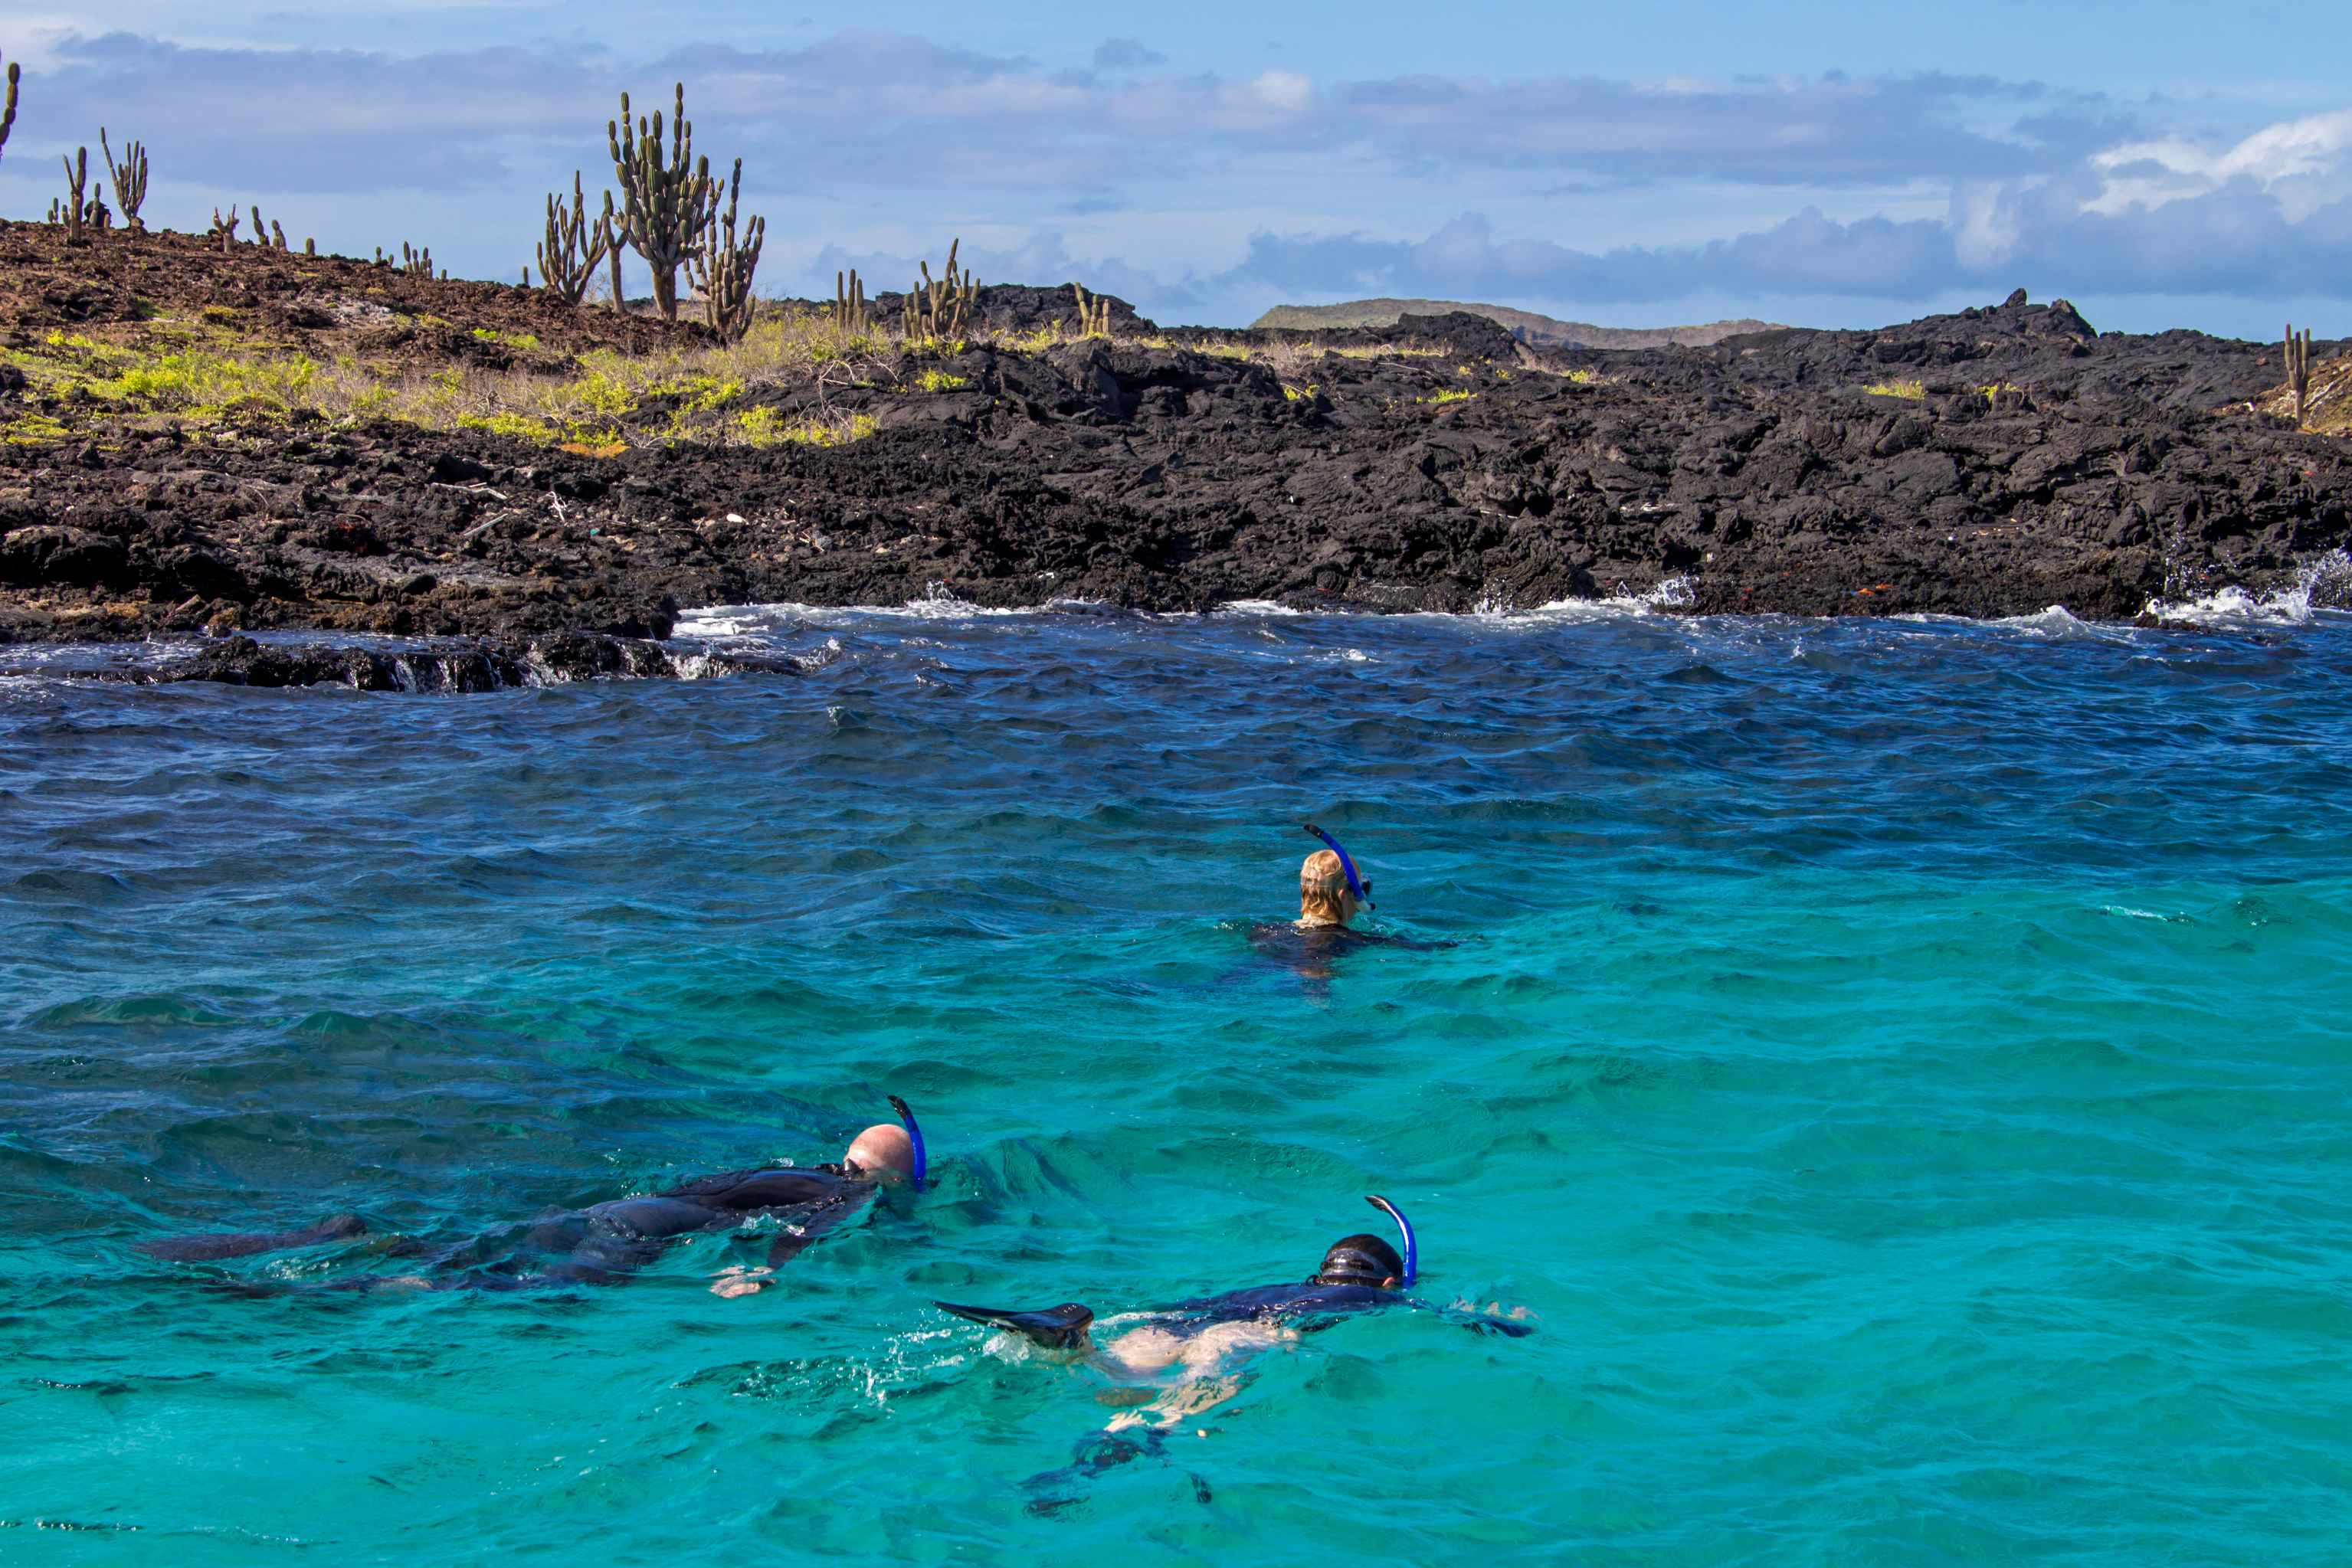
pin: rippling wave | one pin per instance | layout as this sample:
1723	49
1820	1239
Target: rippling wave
1901	1064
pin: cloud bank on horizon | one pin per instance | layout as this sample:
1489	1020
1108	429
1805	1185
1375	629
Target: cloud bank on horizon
1206	195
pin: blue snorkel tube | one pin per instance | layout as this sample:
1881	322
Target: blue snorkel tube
1359	888
914	1136
1411	1246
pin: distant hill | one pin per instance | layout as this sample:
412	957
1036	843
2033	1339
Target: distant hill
1537	331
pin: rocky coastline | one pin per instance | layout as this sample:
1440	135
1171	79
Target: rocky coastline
1992	463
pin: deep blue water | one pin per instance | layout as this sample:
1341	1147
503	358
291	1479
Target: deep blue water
1902	1065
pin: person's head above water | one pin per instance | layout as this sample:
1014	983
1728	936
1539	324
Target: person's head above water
882	1153
1324	898
1360	1259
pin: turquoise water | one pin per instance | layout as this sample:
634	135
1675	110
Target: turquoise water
1903	1065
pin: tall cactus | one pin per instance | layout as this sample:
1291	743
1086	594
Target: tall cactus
8	113
609	226
2298	370
667	201
1094	313
721	268
573	247
225	228
130	178
77	178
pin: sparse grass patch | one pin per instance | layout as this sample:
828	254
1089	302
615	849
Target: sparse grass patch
939	382
1994	392
1910	392
766	426
1300	394
514	426
1449	394
1388	351
505	339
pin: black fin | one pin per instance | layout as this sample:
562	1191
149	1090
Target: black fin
1059	1328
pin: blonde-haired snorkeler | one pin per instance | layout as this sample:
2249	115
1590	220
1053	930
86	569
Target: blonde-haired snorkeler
1332	891
1323	897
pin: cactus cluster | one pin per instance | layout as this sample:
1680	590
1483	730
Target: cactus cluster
2298	370
416	263
935	310
130	178
1094	313
720	266
224	229
668	200
849	316
8	111
569	254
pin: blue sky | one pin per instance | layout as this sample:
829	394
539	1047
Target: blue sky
1822	162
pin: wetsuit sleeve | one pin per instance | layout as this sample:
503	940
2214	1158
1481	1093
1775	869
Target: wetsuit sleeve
806	1228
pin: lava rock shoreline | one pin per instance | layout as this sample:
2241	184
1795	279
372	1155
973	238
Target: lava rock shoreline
1992	463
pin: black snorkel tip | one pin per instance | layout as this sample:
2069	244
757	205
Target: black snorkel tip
914	1137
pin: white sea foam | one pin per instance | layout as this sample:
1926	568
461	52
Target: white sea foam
2326	581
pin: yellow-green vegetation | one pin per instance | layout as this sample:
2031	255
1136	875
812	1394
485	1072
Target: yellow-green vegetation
1581	377
505	339
767	427
939	382
1996	390
1911	392
32	430
1300	394
702	392
1449	394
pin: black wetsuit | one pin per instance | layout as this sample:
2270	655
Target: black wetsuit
607	1240
1312	1307
596	1245
1312	952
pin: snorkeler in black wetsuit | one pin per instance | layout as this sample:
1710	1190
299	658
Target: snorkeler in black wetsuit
606	1242
1183	1359
1359	1273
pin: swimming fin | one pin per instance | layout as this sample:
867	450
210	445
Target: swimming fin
1057	1328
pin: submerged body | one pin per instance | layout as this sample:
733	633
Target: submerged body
606	1242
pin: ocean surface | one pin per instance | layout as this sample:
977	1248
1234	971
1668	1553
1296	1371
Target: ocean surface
1903	1066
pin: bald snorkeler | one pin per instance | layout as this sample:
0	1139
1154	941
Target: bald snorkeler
606	1242
1186	1357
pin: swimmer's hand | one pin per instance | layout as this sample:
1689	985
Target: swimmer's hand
1492	1318
737	1280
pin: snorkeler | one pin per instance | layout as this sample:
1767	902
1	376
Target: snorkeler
1331	893
1185	1358
606	1242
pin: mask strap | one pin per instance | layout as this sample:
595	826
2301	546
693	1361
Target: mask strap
1411	1246
914	1136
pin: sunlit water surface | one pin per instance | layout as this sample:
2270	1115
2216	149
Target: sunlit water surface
1903	1065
